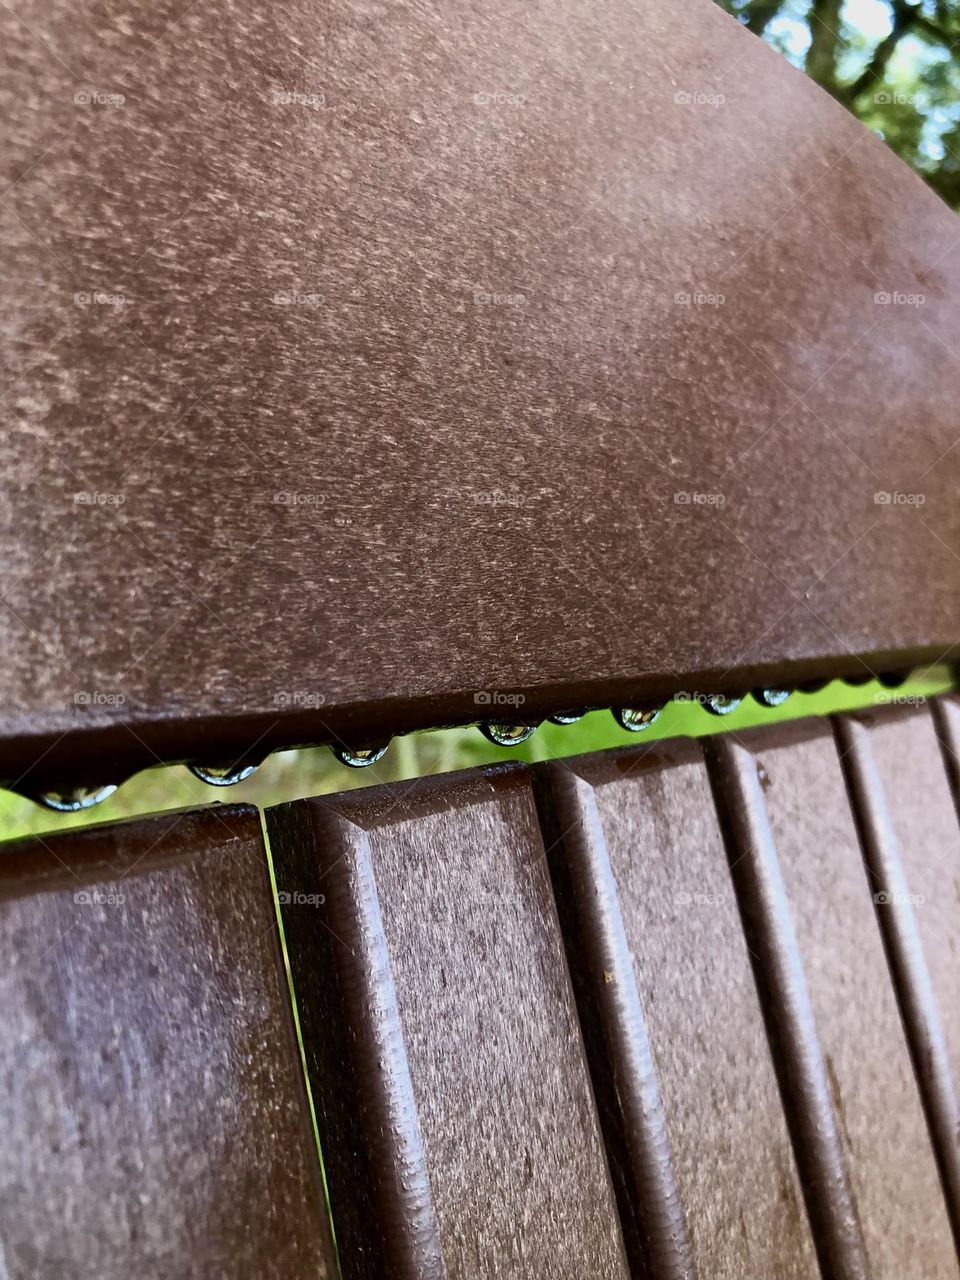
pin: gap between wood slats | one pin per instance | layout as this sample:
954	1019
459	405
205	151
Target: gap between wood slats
901	938
618	1050
369	1130
778	970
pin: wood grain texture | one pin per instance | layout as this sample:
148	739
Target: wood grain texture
618	1047
487	1031
691	976
911	842
787	1007
884	1137
152	1106
400	403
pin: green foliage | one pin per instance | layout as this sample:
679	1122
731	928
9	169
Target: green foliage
893	63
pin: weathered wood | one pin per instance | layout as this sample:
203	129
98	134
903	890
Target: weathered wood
401	404
644	856
893	1173
438	892
779	972
152	1105
911	843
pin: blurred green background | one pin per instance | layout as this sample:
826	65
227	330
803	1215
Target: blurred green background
891	62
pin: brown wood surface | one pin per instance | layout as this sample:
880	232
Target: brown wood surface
621	1060
463	1098
152	1110
686	965
737	782
896	1192
484	446
911	841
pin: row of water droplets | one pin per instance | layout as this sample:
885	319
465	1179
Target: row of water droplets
633	719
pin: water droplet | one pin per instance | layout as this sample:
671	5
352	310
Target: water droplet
567	717
635	719
74	800
360	757
721	704
508	735
223	775
771	697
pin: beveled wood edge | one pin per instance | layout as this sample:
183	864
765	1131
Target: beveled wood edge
619	1056
904	950
791	1029
377	1181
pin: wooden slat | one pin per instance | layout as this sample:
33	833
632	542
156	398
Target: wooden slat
787	1007
467	449
642	880
621	1060
152	1107
854	1038
911	842
437	894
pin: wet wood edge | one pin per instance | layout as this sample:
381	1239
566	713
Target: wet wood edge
904	950
621	1063
34	757
946	722
784	999
379	1187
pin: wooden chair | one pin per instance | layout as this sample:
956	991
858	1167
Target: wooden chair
370	366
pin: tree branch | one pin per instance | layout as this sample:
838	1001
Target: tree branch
905	16
821	63
761	13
